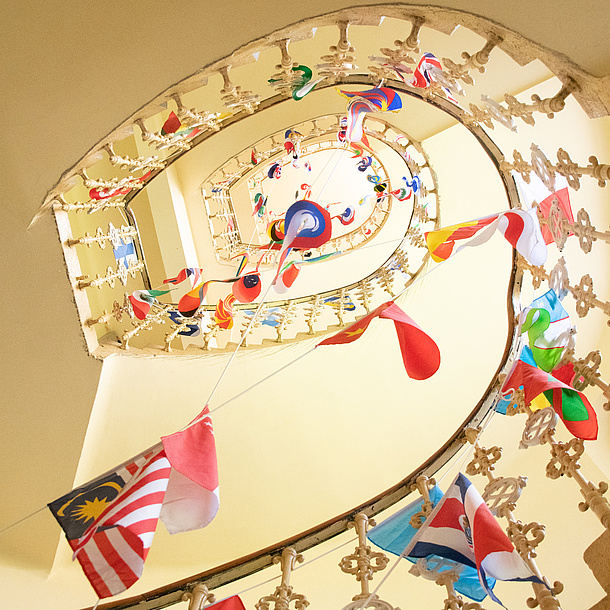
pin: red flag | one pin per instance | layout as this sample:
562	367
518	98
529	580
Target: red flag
420	354
231	603
171	125
535	191
562	198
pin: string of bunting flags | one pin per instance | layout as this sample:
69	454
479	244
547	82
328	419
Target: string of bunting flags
110	522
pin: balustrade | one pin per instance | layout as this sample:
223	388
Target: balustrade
234	97
441	571
501	495
363	563
341	61
284	595
137	164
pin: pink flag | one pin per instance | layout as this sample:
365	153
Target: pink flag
192	498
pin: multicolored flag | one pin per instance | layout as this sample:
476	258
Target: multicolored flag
307	225
189	330
171	125
394	533
223	315
462	528
337	302
422	75
114	547
287	277
441	242
110	522
572	406
420	354
381	99
194	273
142	300
248	287
192	300
536	193
347	216
548	329
520	228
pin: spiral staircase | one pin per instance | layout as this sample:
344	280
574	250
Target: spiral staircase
308	438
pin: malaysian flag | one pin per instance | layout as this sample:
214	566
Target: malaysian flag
113	548
110	522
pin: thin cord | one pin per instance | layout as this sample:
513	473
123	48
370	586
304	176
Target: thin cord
262	380
265	582
224	372
8	527
421	277
331	173
335	151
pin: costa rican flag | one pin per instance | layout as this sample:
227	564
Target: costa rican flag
462	528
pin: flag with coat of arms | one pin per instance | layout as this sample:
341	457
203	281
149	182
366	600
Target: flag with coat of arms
462	528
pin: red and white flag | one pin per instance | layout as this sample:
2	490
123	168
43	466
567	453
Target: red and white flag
536	193
521	229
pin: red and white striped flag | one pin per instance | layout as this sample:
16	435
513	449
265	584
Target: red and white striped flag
177	482
113	549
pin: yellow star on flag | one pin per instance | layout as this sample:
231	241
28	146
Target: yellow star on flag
354	333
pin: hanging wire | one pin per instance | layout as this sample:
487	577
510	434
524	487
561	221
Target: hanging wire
200	417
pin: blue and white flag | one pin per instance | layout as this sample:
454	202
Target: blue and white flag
125	252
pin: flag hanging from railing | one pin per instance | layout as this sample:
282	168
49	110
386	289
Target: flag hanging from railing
462	528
